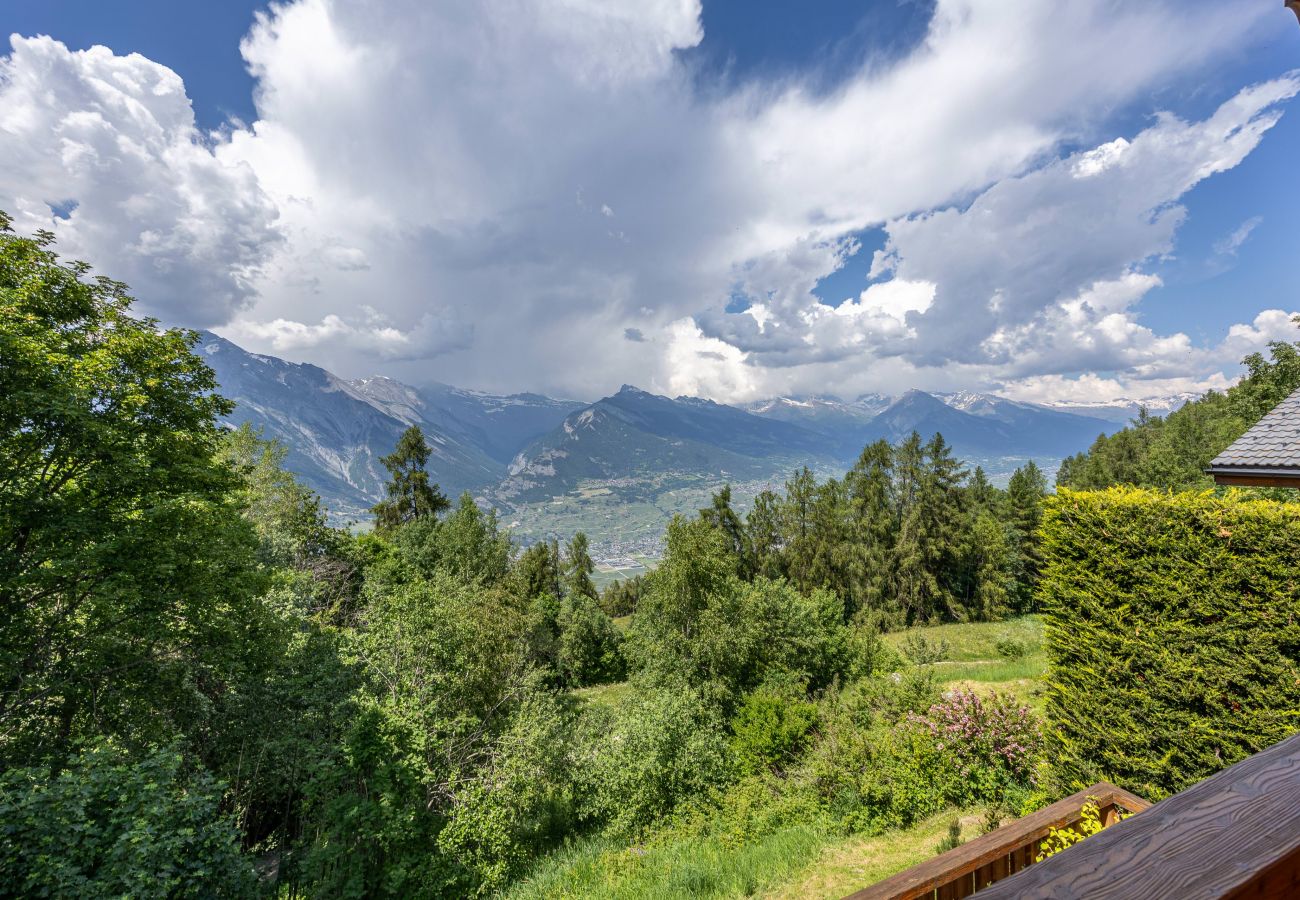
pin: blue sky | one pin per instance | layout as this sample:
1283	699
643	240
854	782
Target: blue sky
485	195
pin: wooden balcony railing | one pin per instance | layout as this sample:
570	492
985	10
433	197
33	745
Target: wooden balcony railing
991	857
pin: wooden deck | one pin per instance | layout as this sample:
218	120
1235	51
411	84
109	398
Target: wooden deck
1001	853
1234	835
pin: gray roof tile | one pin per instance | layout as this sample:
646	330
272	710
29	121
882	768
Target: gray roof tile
1271	443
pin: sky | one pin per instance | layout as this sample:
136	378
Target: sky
737	200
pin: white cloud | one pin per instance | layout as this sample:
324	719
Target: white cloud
1041	271
406	198
371	332
114	136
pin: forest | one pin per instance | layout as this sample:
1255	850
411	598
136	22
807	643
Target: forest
209	690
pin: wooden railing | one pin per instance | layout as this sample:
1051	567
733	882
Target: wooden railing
1002	852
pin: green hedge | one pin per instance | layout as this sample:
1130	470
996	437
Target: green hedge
1173	630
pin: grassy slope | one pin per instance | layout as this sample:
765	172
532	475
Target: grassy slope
800	861
973	661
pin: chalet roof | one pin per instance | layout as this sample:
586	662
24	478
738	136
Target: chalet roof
1270	449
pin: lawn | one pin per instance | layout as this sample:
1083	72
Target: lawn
797	862
974	662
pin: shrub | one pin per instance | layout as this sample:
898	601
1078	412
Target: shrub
924	652
771	727
520	803
656	749
1010	648
108	827
1173	631
589	644
990	744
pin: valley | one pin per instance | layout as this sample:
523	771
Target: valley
617	469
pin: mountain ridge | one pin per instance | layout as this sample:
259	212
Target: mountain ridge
511	448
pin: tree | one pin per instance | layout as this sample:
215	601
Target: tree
874	524
926	555
410	494
763	533
1025	493
1172	452
577	579
721	516
468	544
797	526
129	595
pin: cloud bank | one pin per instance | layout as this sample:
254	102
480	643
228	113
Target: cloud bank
515	194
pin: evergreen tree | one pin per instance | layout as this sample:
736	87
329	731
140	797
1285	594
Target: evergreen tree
1025	493
577	577
829	540
980	493
873	526
720	515
763	534
797	527
538	571
927	554
410	494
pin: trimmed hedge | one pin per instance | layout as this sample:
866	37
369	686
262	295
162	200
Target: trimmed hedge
1173	631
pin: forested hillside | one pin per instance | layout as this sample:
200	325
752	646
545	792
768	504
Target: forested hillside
1173	451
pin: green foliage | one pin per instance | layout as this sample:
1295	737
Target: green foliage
771	727
698	621
1010	648
952	839
411	496
468	544
128	584
520	803
1173	628
620	598
721	516
922	651
904	538
371	822
105	826
657	748
1060	839
590	647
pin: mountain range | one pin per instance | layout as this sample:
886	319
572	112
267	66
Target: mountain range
522	448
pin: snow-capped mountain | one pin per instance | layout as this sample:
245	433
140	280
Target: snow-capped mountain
1124	410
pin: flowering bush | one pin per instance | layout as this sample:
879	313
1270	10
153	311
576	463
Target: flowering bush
989	744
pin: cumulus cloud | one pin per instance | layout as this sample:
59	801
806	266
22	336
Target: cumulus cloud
520	193
102	150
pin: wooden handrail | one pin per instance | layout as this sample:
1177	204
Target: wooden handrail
1000	853
1234	835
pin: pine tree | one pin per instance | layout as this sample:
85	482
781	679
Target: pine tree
927	554
980	493
410	494
1025	493
797	527
829	543
763	533
720	515
577	577
873	526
